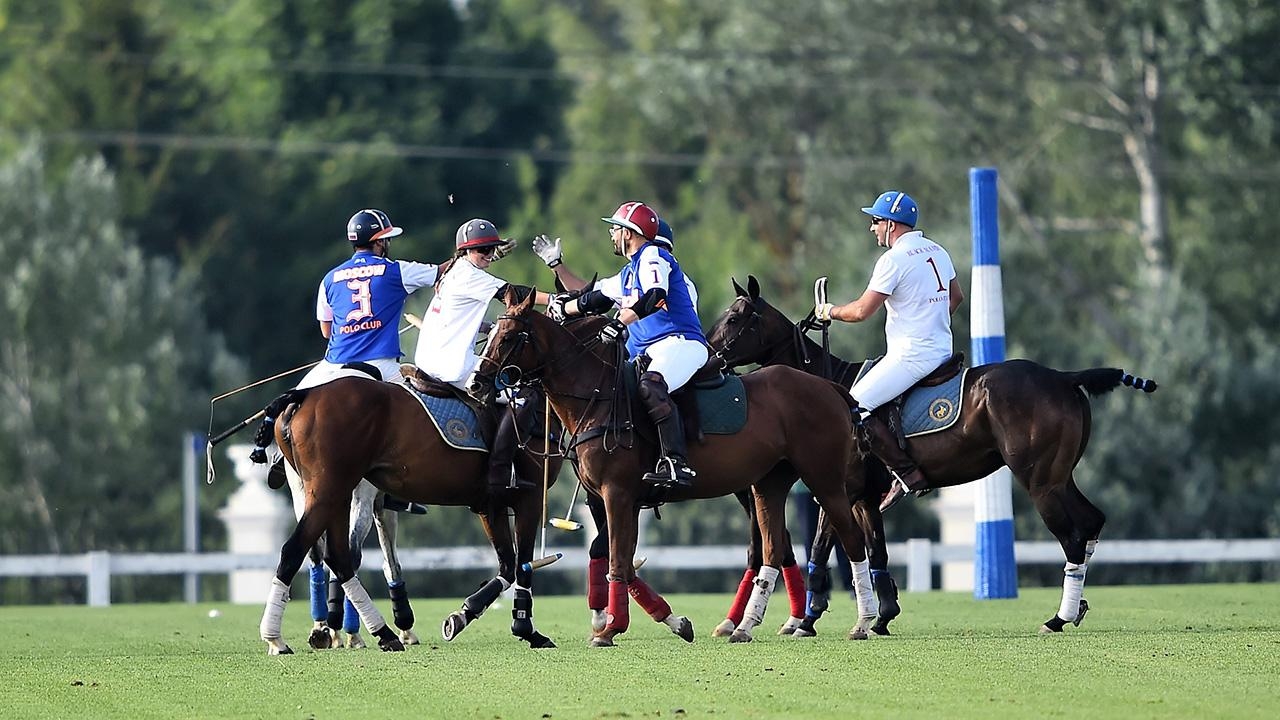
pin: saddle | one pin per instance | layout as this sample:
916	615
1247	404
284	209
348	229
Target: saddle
892	412
947	370
487	417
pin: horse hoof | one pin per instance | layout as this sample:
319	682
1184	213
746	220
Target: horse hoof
881	628
453	625
408	638
803	632
684	630
538	641
601	641
278	647
858	633
355	642
740	636
321	638
724	629
789	627
1046	630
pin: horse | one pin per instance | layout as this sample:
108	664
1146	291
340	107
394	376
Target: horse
583	381
352	428
1034	419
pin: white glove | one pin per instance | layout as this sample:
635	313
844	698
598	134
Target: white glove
822	311
504	249
548	250
613	332
555	307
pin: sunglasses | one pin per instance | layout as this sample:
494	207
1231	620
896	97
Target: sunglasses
876	221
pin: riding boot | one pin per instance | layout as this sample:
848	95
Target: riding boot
673	468
501	475
884	443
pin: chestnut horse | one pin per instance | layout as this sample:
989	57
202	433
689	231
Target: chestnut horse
353	428
795	423
1034	419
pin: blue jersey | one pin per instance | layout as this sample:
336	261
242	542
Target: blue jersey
652	266
363	298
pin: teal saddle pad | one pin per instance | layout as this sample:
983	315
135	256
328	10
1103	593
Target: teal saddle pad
455	420
928	409
722	403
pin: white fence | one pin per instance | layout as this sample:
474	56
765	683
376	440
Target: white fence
919	557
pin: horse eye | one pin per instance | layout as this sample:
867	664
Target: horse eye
731	320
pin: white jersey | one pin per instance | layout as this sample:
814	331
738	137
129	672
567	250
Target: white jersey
916	274
446	343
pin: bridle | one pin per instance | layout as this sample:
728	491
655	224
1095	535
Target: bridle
794	341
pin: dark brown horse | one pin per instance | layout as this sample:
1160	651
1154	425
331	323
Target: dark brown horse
352	428
795	423
1034	419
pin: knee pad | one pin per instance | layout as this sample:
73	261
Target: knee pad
654	395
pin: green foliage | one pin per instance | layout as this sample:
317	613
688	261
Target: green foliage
106	359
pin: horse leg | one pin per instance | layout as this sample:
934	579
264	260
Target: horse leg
340	561
527	521
867	514
1076	523
494	521
360	521
322	634
793	580
734	616
818	598
621	514
386	522
598	565
771	501
835	501
303	538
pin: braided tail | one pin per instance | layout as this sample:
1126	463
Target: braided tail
266	430
1097	381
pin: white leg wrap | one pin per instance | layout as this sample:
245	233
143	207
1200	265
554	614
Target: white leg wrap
599	618
867	603
273	614
1072	589
1089	547
359	597
766	580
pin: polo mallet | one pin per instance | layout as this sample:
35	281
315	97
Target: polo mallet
819	298
567	522
546	559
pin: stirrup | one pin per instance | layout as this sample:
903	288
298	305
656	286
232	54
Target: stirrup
897	490
671	472
276	477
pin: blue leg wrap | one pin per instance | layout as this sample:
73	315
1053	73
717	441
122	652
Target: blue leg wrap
319	593
350	618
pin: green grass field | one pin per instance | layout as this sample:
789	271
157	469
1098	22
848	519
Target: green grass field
1159	652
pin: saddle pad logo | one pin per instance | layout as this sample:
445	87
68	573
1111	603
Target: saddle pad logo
941	410
457	430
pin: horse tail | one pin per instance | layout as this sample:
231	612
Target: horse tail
1097	381
266	430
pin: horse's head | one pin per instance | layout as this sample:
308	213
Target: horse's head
750	329
525	345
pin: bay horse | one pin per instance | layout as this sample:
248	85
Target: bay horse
1034	419
795	423
353	428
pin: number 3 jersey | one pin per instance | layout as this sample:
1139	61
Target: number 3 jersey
363	298
916	274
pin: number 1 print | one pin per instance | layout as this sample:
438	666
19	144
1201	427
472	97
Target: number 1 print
932	264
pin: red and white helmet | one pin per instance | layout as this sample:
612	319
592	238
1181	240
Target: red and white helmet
637	217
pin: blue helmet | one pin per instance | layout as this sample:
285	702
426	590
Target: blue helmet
665	235
896	206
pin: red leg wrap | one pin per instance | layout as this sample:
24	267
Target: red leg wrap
740	600
619	609
648	600
794	580
597	585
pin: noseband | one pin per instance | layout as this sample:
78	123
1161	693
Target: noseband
775	348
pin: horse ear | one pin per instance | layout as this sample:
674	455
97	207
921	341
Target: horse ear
527	304
738	288
560	288
753	287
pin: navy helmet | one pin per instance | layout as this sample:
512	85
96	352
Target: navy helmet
896	206
368	225
666	236
476	233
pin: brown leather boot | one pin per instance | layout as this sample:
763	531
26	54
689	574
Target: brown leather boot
907	476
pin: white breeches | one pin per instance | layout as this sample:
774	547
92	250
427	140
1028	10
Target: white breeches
325	371
890	378
676	359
